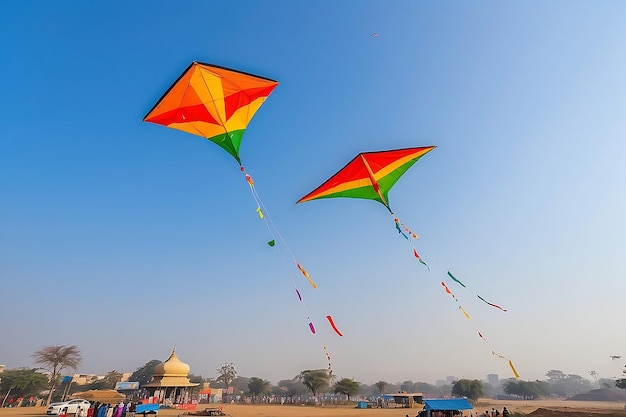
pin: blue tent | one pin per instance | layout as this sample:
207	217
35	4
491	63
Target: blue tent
443	404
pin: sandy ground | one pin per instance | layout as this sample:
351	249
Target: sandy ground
235	410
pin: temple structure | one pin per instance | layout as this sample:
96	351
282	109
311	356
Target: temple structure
170	382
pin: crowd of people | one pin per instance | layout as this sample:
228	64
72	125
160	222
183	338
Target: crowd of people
496	413
457	413
107	410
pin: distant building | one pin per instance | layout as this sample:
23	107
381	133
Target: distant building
83	379
440	382
494	380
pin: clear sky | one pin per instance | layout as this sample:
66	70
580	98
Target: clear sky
126	238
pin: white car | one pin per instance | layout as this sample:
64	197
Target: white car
72	406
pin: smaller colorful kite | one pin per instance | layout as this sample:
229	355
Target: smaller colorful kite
369	175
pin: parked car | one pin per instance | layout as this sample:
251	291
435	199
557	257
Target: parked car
72	406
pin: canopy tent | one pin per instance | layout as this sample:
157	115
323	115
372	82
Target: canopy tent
445	404
406	399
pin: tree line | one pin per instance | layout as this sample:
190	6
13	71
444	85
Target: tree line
54	360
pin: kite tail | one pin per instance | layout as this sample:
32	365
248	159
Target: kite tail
273	231
513	369
408	235
330	366
456	280
276	236
400	230
424	263
404	229
493	352
271	227
332	324
306	274
448	291
491	304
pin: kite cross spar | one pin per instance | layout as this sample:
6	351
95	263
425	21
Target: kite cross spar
217	103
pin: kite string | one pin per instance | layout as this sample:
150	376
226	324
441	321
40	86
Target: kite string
270	221
274	232
493	352
402	228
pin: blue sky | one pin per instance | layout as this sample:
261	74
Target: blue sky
127	238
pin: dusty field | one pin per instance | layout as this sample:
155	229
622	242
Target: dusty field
539	408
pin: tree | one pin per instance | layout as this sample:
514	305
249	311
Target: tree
22	382
112	378
407	386
594	375
290	388
381	386
606	382
472	389
346	386
55	359
555	375
108	382
620	383
315	380
432	390
258	386
240	384
226	373
570	384
528	390
196	379
143	374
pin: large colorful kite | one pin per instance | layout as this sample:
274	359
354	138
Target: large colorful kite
214	102
371	175
217	103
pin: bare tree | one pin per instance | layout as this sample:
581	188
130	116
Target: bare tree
56	358
226	373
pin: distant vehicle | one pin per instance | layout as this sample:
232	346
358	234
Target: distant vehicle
72	405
